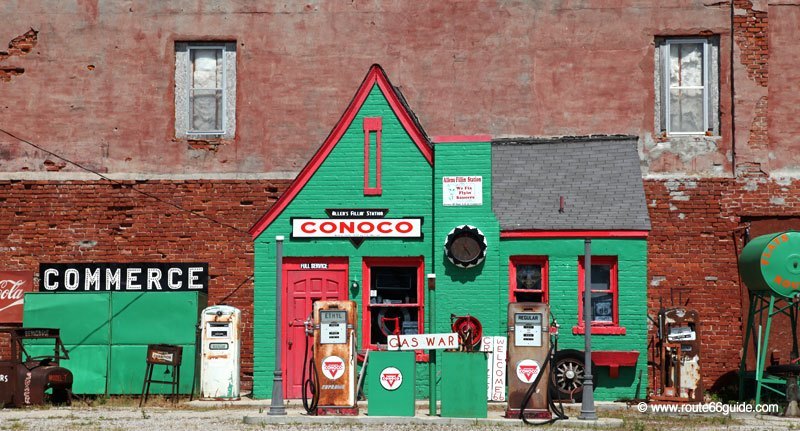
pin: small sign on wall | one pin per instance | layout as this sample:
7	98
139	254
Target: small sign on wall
462	190
496	367
13	285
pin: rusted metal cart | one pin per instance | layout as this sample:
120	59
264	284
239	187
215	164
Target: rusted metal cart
27	380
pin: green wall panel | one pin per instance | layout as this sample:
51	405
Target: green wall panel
88	364
128	365
148	318
82	317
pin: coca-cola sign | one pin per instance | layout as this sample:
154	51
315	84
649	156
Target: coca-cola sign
13	285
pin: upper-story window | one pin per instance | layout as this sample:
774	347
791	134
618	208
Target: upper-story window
205	90
687	90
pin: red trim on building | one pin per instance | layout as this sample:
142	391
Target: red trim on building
373	124
574	234
613	359
461	138
513	261
375	75
366	285
604	328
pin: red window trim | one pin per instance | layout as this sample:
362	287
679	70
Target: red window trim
513	261
366	266
372	124
600	328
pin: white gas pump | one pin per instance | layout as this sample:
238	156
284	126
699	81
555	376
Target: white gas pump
220	343
331	369
529	356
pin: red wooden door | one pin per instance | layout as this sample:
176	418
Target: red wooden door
302	286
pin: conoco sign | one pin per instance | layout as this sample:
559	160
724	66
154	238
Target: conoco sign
357	228
13	285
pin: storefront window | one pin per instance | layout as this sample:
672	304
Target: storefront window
394	305
604	291
528	279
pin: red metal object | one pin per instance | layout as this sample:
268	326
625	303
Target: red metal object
575	234
372	125
469	330
375	76
337	411
25	380
614	359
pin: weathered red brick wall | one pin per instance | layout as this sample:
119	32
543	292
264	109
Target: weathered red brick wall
96	221
693	248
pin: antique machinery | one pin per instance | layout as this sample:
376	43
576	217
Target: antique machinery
25	379
469	330
219	366
331	377
679	350
529	355
769	266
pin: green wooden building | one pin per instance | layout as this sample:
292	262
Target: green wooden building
368	217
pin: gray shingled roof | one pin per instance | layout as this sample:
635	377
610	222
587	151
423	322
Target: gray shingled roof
598	176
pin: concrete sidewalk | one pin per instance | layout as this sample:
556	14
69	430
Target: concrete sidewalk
296	414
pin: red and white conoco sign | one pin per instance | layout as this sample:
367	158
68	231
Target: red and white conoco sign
13	285
357	228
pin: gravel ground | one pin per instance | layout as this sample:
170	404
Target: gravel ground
231	418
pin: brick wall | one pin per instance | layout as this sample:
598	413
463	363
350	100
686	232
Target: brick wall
96	221
694	247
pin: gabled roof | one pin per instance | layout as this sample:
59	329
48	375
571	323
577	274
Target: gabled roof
376	75
598	176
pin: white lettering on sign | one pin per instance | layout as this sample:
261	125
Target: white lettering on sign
496	367
313	266
333	367
391	378
4	378
527	370
357	228
457	191
423	341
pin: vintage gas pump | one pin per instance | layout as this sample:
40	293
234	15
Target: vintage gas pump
528	350
331	370
219	366
679	351
529	356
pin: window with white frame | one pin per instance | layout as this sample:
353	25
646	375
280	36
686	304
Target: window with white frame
687	93
205	90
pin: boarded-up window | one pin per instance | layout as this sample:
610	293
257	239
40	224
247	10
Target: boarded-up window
205	89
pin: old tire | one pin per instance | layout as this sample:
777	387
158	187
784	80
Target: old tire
566	377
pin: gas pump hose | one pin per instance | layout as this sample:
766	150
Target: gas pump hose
558	411
312	382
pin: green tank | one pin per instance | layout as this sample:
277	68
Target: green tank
772	263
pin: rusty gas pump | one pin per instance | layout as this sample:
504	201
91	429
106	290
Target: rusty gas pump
679	353
25	379
331	376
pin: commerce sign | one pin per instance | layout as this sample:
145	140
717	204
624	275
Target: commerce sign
357	228
123	277
13	285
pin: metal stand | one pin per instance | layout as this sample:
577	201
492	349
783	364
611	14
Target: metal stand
169	356
765	304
